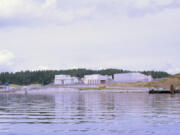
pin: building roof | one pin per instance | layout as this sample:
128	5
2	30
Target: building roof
130	74
62	77
96	77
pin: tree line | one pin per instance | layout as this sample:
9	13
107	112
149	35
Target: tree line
47	76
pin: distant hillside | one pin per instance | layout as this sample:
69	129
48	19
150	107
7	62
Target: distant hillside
47	77
165	83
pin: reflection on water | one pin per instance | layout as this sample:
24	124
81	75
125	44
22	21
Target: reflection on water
93	113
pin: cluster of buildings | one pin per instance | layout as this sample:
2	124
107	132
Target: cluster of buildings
97	79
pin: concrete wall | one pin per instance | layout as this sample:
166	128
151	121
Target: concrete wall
63	82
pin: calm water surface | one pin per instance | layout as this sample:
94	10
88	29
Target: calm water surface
90	113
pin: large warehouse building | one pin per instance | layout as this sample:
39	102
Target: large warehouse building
132	77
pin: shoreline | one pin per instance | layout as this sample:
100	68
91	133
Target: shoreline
70	89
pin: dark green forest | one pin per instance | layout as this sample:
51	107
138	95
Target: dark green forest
47	77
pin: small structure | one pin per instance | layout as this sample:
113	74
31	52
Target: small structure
132	77
65	80
96	79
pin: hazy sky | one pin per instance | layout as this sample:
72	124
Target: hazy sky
60	34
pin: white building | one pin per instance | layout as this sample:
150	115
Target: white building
65	80
96	79
132	77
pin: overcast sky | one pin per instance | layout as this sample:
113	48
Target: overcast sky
96	34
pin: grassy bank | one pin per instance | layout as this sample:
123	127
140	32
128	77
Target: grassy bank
20	86
92	88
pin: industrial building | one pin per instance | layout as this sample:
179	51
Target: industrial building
65	80
131	77
96	79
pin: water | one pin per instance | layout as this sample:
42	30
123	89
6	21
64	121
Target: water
90	113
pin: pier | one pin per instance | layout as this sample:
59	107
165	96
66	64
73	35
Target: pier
172	90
